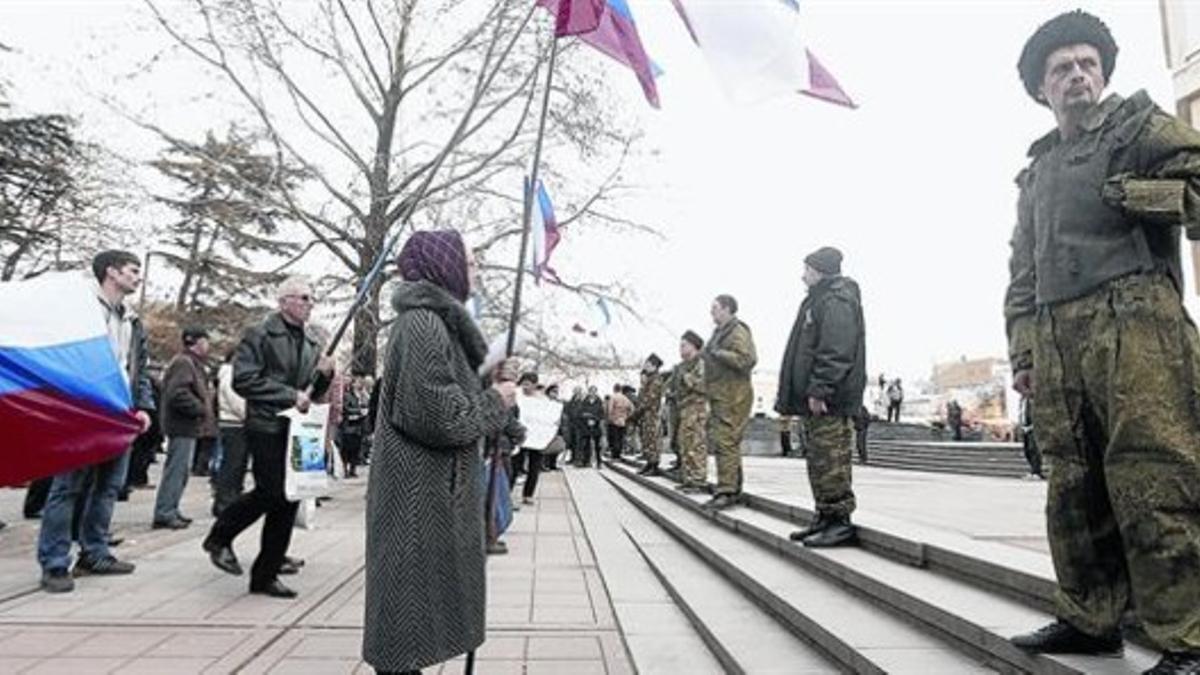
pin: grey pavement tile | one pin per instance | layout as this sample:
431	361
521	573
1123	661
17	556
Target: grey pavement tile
115	643
513	667
41	642
15	664
188	643
548	599
566	668
315	667
502	648
180	666
331	645
565	648
563	615
505	616
76	666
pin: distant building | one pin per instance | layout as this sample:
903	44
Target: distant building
983	387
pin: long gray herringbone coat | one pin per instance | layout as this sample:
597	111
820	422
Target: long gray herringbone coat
425	594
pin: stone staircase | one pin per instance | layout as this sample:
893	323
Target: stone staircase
903	601
979	459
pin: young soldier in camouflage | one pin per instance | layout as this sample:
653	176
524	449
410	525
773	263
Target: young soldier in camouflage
729	358
822	378
1094	311
647	415
693	414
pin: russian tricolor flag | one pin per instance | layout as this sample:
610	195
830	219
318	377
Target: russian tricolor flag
544	233
607	25
65	401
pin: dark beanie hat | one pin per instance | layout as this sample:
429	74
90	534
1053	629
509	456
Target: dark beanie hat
192	335
696	340
1064	30
653	358
826	260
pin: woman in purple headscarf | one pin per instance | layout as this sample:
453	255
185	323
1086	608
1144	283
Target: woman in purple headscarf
425	593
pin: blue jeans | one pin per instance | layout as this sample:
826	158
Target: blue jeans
174	478
54	540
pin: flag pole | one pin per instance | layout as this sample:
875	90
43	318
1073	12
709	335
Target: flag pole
530	192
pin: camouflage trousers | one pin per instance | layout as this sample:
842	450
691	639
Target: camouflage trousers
1117	412
650	433
727	420
830	444
693	450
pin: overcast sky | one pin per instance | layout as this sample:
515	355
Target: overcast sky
915	186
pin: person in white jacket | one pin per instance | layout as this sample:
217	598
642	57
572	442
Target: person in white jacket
229	481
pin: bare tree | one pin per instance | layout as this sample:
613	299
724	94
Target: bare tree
408	112
227	232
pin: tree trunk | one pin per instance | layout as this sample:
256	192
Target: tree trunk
189	268
366	334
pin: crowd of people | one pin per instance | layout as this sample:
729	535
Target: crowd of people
1093	308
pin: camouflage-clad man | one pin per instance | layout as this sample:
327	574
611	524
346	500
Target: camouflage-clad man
729	358
671	402
693	414
1094	311
822	379
647	414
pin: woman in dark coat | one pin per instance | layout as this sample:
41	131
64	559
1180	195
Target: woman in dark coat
425	593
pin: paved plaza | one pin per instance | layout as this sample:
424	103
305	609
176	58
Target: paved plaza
573	595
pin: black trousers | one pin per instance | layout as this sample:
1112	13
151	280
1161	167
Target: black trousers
202	457
140	459
585	443
529	462
1033	454
616	441
351	449
266	499
894	411
35	497
230	481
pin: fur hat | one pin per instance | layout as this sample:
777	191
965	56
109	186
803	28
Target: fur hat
692	337
1071	28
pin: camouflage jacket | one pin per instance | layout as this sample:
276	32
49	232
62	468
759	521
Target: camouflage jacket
1101	206
730	356
689	383
650	396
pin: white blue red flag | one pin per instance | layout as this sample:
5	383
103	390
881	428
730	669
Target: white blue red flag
544	233
65	401
755	49
607	25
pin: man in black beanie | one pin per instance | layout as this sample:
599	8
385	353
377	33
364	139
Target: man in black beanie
1094	310
822	379
647	414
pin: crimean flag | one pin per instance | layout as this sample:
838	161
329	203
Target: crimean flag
755	50
544	234
607	25
64	398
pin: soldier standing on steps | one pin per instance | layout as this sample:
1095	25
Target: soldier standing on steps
693	415
729	359
822	378
1095	318
647	415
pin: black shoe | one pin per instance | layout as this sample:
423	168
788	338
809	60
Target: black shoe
721	501
1176	663
57	581
294	562
647	469
274	589
818	523
289	567
1061	637
497	548
174	524
187	520
222	557
106	566
837	532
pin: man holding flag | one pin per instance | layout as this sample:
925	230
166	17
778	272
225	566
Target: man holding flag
119	274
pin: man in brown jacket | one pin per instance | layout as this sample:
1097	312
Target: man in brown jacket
187	415
618	411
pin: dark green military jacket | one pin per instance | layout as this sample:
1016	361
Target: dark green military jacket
1101	206
826	354
689	384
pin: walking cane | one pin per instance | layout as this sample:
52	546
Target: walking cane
471	662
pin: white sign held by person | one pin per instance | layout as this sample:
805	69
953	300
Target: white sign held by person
540	417
304	474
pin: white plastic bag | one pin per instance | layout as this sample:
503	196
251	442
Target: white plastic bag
304	474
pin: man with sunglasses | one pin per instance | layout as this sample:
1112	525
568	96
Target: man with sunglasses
278	365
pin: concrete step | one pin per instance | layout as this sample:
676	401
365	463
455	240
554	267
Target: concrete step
849	628
974	617
941	467
743	636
